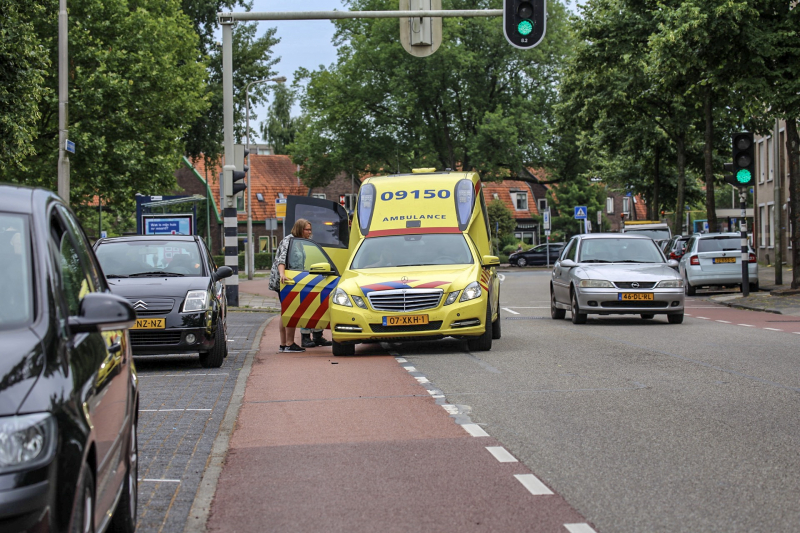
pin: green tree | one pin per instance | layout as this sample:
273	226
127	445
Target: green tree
477	103
136	83
280	128
501	220
563	200
23	65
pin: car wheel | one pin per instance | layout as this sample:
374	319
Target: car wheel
577	316
124	520
343	349
522	262
647	316
497	324
83	512
555	312
484	342
213	358
676	318
690	291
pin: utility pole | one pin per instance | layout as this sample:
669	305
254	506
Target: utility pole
231	237
778	222
63	96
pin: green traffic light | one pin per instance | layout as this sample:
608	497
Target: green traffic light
744	176
525	27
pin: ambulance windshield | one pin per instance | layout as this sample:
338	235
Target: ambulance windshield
412	250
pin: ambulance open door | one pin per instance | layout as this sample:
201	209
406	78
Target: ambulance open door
329	224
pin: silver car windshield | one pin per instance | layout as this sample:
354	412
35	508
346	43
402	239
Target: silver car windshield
412	250
131	259
611	250
15	266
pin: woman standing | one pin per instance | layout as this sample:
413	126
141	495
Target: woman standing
301	230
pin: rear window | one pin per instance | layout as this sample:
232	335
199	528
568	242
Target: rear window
412	250
16	270
655	234
130	259
720	244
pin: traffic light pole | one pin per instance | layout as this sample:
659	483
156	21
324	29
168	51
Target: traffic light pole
745	249
230	234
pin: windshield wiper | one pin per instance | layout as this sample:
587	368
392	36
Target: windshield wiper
633	261
155	273
595	261
115	276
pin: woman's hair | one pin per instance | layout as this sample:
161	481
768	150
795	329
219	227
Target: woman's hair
299	226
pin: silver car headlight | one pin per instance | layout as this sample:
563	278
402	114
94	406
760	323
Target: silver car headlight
195	301
670	284
596	284
472	291
26	441
340	298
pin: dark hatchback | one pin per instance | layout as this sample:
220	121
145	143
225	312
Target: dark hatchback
176	290
68	386
537	255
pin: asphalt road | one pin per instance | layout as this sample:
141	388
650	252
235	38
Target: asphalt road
640	425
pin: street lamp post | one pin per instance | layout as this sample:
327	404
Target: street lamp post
249	257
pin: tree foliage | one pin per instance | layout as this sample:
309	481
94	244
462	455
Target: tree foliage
477	103
23	66
501	219
280	128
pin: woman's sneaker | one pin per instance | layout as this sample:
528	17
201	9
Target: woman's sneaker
294	348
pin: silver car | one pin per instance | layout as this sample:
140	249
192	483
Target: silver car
716	259
615	273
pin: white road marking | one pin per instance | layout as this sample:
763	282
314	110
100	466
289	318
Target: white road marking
746	325
161	410
773	329
501	454
475	430
510	311
532	483
452	409
579	528
422	380
177	375
724	321
410	368
400	360
703	318
162	480
796	332
517	307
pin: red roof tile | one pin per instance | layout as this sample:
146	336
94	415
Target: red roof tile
503	191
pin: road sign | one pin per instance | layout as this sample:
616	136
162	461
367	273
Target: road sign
546	221
420	36
271	224
280	207
547	232
580	212
599	219
70	147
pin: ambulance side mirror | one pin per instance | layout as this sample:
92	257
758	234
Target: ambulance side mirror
320	268
491	260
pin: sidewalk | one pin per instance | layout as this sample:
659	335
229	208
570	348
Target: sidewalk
771	298
255	296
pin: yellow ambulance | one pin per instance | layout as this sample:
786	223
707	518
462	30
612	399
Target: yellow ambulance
415	263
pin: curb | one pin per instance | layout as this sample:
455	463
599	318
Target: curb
254	310
201	507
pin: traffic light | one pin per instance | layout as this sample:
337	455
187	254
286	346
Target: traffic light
239	175
744	163
524	22
729	177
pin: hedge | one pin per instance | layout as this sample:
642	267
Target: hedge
261	261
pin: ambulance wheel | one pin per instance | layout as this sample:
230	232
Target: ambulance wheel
496	327
484	342
343	349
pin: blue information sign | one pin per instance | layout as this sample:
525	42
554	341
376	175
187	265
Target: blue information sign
580	212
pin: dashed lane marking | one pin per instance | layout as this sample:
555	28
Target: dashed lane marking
532	483
161	480
703	318
510	311
501	454
774	329
475	430
724	321
401	360
162	410
422	380
579	528
746	325
410	368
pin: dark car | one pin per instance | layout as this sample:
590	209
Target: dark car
68	387
176	290
676	247
536	255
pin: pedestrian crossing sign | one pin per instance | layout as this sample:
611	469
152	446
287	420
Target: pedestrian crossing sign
580	212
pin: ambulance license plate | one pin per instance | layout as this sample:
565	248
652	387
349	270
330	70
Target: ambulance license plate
405	320
717	260
150	323
635	296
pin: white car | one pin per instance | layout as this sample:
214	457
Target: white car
715	259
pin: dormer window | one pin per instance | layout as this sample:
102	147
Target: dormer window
521	201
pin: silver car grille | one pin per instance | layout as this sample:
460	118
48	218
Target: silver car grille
398	300
635	284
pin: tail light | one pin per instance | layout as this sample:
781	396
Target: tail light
673	255
694	260
753	258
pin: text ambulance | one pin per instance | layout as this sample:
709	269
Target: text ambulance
415	264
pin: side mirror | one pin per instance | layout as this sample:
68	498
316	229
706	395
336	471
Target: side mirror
320	268
102	311
568	263
490	260
673	264
222	273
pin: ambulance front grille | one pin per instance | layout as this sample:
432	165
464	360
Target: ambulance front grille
400	300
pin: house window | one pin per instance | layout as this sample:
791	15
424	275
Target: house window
240	202
768	160
522	201
350	202
626	205
762	222
609	205
771	224
542	204
320	195
495	196
760	162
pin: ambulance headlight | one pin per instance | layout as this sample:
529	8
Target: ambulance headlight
451	297
472	291
340	298
359	301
